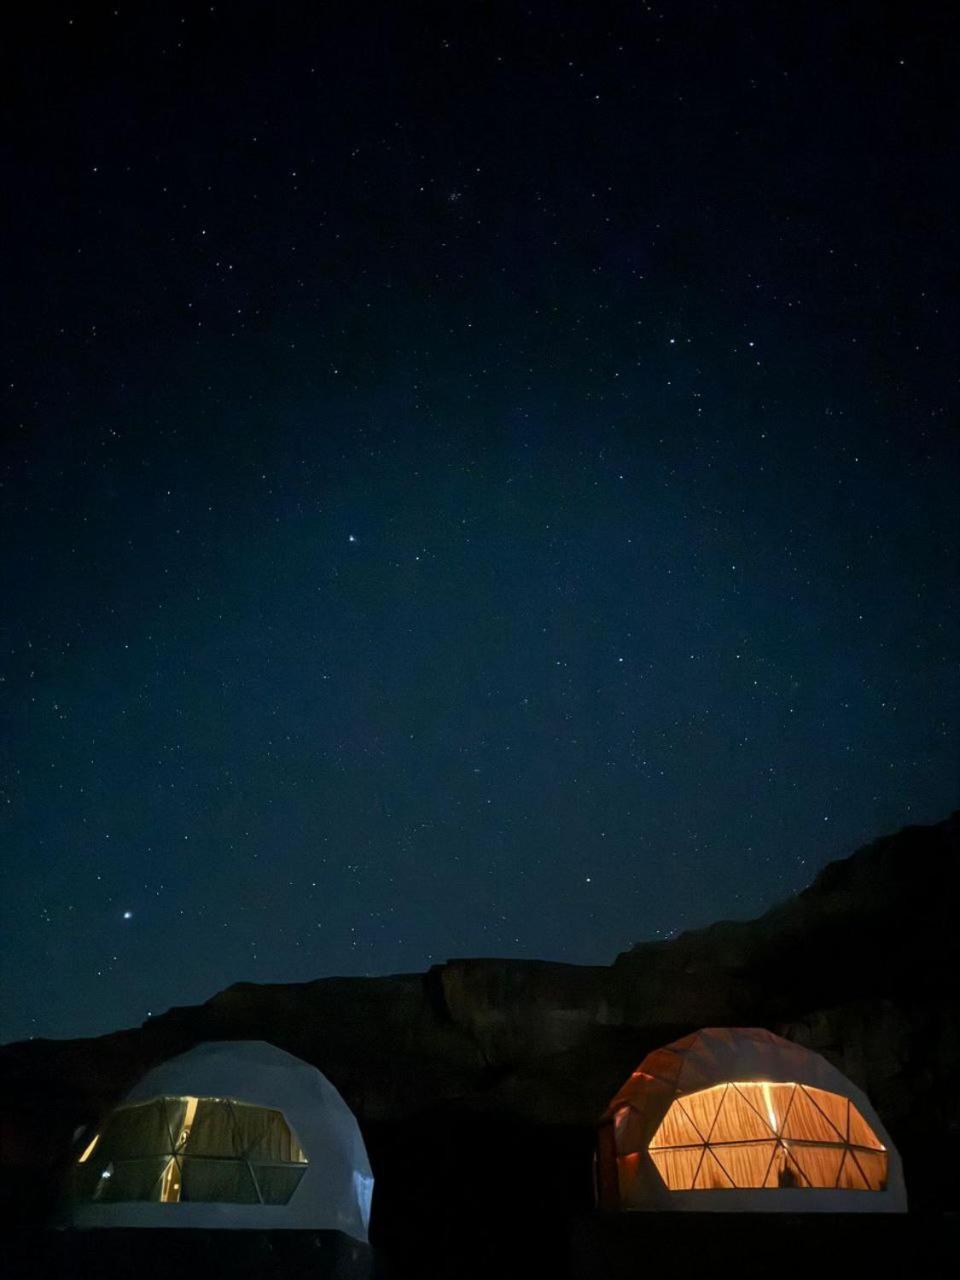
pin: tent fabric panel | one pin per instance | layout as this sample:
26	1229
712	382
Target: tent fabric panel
627	1167
740	1117
770	1100
702	1107
621	1119
131	1180
213	1132
171	1182
654	1081
685	1042
678	1167
772	1176
873	1165
860	1133
178	1113
677	1130
217	1181
711	1176
823	1120
820	1165
746	1163
265	1135
277	1183
628	1131
85	1179
135	1132
790	1174
851	1176
666	1064
260	1132
87	1173
632	1131
834	1107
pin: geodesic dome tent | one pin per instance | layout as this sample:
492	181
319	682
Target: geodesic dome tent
738	1118
231	1134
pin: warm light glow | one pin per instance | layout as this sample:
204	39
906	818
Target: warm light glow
765	1134
189	1116
768	1104
170	1184
89	1150
188	1148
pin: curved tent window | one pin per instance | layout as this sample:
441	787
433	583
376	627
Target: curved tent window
760	1134
171	1150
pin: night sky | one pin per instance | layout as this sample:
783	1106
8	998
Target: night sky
479	479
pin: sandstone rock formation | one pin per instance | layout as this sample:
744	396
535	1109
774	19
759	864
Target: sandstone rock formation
478	1083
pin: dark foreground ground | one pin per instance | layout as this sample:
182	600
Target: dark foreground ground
594	1247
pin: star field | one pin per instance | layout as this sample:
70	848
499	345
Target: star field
479	480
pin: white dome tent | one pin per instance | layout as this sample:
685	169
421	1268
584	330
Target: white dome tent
732	1119
233	1134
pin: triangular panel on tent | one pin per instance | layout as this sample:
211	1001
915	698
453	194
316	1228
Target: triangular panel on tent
808	1122
738	1120
851	1175
873	1166
677	1130
702	1108
678	1167
820	1165
746	1162
739	1110
860	1134
711	1173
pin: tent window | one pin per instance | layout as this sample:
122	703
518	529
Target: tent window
213	1150
277	1182
130	1180
218	1181
763	1134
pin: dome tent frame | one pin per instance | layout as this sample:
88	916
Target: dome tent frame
744	1061
334	1182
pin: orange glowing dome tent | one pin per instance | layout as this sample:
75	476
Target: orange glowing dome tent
734	1118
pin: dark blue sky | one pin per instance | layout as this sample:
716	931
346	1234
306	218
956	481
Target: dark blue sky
479	481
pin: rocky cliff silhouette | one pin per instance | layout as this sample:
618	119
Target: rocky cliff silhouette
499	1068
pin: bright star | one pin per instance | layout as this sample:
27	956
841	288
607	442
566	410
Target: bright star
128	915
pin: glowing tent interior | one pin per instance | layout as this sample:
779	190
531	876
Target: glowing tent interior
231	1134
762	1122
